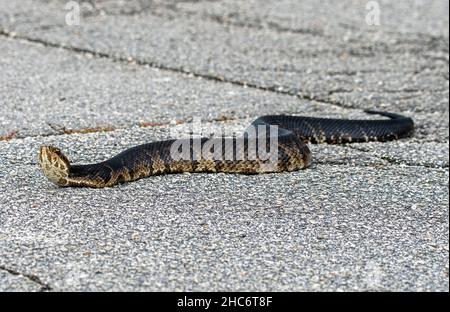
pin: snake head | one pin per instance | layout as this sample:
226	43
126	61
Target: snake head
54	164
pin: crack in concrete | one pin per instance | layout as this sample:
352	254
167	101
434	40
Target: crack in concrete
318	163
429	37
143	6
219	19
149	6
431	40
301	94
390	161
224	119
258	26
273	89
361	50
348	73
394	161
31	277
61	130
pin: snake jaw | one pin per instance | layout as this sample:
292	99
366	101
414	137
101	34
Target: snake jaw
54	164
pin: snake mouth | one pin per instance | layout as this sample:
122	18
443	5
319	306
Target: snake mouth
54	164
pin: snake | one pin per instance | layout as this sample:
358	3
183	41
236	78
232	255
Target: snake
257	150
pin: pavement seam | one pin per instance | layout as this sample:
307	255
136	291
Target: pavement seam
209	77
64	132
303	95
221	20
271	25
31	277
391	162
394	161
61	131
431	37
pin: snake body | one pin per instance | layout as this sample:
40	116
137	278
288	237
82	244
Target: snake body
233	155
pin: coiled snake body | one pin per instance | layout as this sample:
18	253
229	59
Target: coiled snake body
233	155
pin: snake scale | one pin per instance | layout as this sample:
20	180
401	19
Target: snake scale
232	154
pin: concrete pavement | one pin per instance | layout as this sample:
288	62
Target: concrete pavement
363	217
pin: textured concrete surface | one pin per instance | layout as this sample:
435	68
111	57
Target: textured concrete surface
363	217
